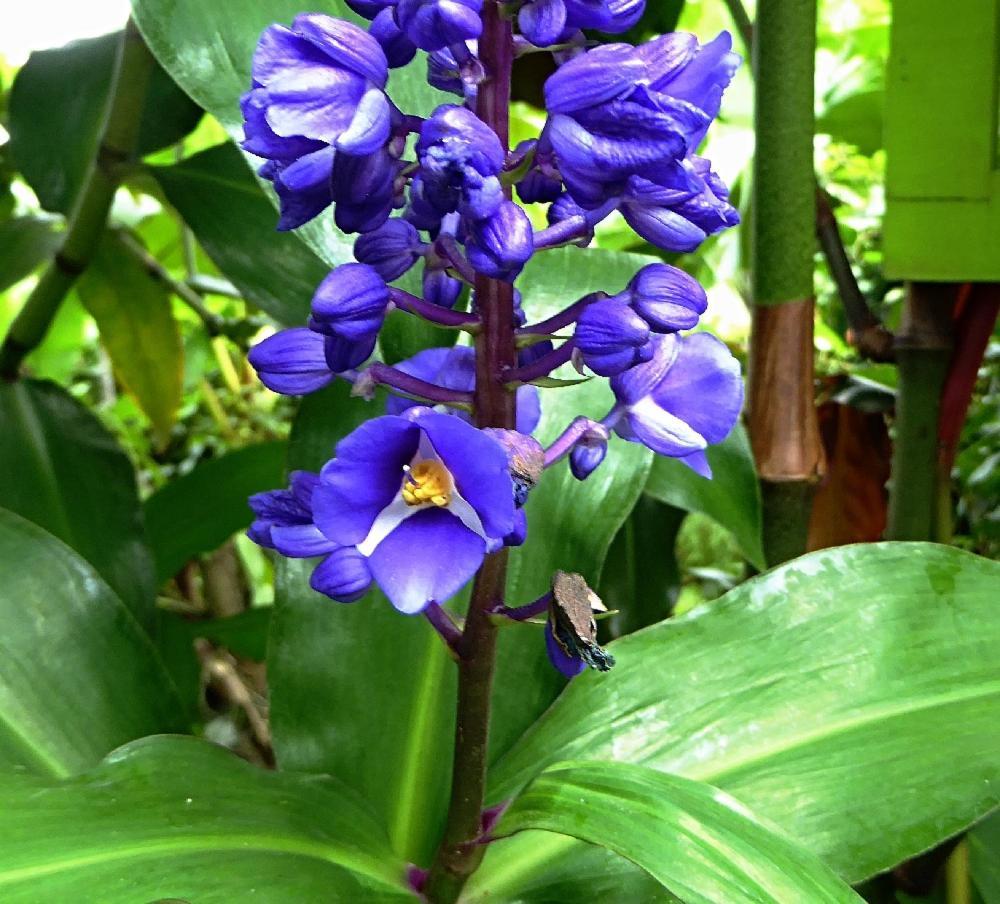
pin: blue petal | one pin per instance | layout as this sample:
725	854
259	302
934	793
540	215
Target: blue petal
363	478
343	575
345	44
500	246
398	48
662	227
479	466
542	21
667	298
593	78
428	558
370	126
300	541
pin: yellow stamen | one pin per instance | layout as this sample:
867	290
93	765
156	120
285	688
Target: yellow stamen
427	481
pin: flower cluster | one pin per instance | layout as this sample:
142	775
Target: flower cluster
413	500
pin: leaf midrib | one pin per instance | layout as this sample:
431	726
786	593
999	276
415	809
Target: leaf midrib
199	844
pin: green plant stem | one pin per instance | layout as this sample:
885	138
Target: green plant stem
115	150
782	416
459	853
923	353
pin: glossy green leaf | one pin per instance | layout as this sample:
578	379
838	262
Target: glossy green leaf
78	675
984	858
731	497
57	107
819	694
171	818
200	510
136	321
24	243
60	468
698	842
224	205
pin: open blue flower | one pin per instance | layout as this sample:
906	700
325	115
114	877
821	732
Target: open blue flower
421	499
455	368
685	398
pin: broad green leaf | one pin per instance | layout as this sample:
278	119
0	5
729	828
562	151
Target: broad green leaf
57	108
731	497
170	818
698	842
235	223
819	694
984	858
78	675
359	691
24	243
60	468
856	119
138	329
200	510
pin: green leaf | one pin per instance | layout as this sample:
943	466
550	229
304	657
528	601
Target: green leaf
78	676
181	819
856	119
57	106
731	497
138	330
200	510
24	243
235	223
819	694
559	383
697	841
60	468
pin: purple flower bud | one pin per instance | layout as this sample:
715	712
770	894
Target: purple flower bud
303	186
587	455
421	499
667	298
546	22
500	246
612	337
679	220
350	303
389	250
543	22
347	354
538	187
445	73
291	362
369	9
364	189
284	519
686	397
460	160
398	48
520	532
343	576
563	208
433	24
440	288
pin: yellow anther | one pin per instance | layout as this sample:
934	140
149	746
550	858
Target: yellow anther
427	481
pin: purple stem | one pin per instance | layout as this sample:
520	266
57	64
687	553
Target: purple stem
543	366
386	375
523	613
563	444
564	318
443	623
432	312
447	248
568	230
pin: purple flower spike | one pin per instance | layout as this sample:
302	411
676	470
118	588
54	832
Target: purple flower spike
455	368
292	362
350	303
667	298
389	250
460	161
612	337
685	398
500	246
434	24
421	499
